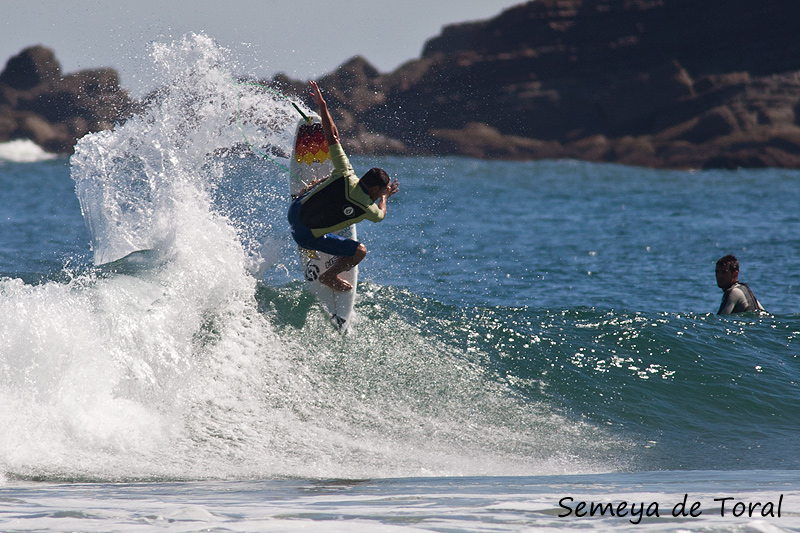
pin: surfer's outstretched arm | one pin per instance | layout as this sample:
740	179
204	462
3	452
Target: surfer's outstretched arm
328	127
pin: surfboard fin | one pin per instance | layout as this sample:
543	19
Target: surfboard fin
339	322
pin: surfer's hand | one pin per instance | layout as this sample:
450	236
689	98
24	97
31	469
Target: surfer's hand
311	185
316	94
391	189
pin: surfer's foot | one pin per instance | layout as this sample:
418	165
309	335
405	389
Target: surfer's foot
330	277
335	282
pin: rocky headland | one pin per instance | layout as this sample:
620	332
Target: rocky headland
657	83
38	103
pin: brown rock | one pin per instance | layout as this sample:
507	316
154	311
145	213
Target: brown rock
374	144
7	125
483	141
629	102
39	130
8	96
31	67
592	148
56	111
94	95
78	127
716	122
642	82
716	82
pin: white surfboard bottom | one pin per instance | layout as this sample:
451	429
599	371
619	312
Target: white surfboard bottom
337	304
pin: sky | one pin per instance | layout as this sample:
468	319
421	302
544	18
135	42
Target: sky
302	38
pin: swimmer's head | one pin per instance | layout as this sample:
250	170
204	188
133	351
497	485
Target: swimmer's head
727	271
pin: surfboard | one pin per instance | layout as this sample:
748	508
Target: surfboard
311	160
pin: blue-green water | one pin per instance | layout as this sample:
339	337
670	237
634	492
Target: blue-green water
525	332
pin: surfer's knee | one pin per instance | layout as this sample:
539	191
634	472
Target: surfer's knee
361	252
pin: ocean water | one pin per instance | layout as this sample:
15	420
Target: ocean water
530	336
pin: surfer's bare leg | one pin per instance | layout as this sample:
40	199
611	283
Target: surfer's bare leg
331	276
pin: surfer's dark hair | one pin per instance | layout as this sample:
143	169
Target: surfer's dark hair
729	263
375	177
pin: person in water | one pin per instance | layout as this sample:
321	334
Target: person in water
737	298
329	204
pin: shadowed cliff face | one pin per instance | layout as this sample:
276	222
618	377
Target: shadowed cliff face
617	67
594	37
659	83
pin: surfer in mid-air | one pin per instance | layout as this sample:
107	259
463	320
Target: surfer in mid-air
329	204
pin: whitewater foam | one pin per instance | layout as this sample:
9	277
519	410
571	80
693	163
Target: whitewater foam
23	151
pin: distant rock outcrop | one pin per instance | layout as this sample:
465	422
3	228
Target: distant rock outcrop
678	83
658	83
38	103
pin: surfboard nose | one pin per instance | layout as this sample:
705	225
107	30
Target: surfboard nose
310	145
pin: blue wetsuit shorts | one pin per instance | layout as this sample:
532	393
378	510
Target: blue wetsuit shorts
330	243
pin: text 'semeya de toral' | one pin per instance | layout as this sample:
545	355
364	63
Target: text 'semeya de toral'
638	510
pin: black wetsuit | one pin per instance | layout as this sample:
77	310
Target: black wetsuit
738	298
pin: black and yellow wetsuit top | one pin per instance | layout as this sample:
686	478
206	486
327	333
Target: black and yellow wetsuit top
338	201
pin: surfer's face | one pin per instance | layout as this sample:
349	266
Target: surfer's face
376	192
726	278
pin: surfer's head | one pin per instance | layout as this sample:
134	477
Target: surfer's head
375	181
727	271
